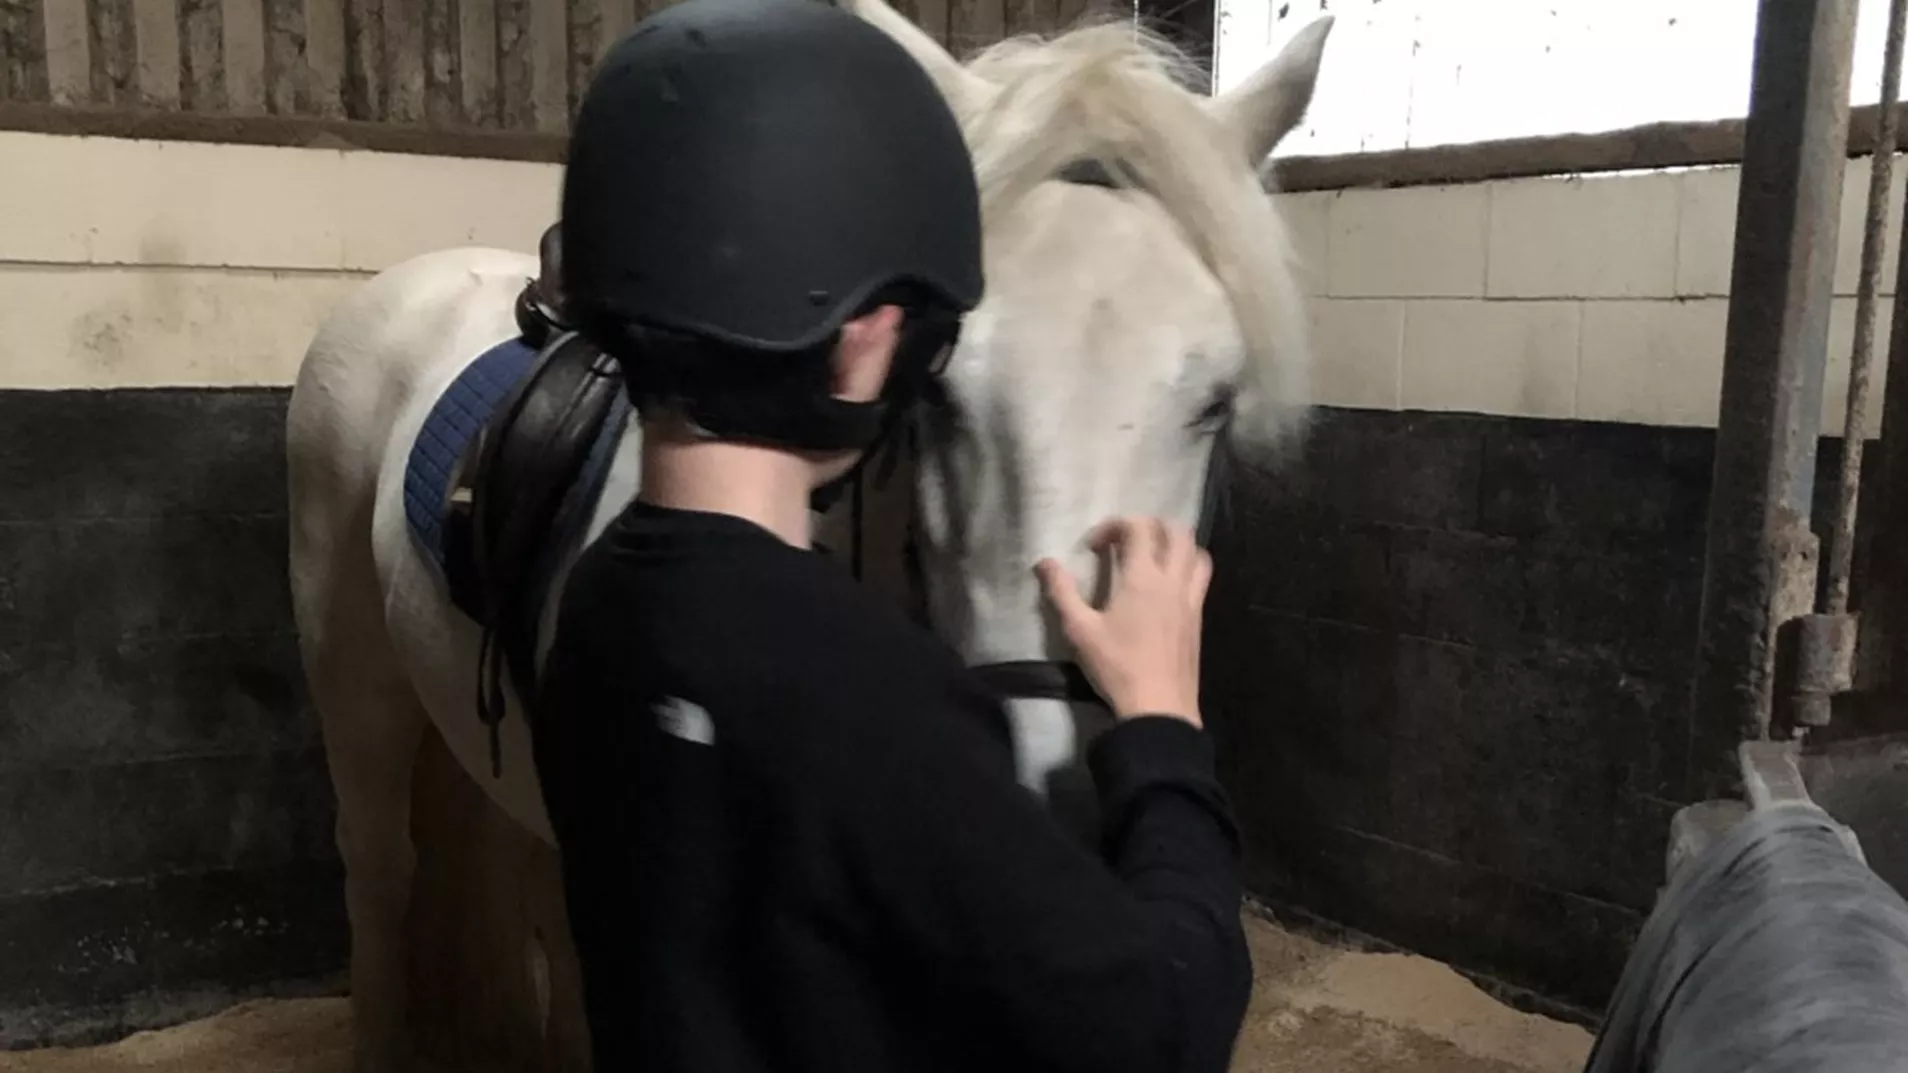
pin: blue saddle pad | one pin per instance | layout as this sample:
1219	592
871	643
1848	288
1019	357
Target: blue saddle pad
456	418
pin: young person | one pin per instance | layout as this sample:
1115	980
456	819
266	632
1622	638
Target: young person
790	830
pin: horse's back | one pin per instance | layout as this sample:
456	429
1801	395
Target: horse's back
375	352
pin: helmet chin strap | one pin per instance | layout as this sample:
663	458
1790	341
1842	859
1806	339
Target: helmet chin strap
660	365
917	362
825	496
883	448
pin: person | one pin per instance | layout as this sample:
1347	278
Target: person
790	831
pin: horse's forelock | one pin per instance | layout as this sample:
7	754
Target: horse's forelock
1117	94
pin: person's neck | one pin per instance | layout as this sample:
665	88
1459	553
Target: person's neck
757	484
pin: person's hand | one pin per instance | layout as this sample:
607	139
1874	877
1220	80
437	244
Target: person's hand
1142	651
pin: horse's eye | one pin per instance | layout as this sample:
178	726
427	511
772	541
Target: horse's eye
1218	409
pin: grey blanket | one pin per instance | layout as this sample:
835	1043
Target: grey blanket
1775	952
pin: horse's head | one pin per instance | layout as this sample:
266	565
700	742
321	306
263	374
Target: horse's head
1141	306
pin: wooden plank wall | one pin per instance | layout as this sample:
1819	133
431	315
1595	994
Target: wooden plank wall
501	65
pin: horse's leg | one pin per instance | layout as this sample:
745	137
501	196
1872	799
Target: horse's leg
373	725
558	979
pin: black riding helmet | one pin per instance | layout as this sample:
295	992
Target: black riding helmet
744	177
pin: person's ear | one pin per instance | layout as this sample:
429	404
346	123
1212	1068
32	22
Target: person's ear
865	355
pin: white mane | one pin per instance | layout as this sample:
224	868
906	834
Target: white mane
1117	95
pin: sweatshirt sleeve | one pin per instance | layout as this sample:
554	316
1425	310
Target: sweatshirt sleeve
1133	961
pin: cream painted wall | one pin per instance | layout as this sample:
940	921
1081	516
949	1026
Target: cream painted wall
136	263
1602	298
130	263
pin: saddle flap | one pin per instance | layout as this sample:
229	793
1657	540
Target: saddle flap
515	492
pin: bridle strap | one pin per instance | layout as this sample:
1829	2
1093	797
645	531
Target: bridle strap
1218	473
1063	680
1040	679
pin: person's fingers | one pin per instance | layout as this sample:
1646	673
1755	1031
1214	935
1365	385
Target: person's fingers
1179	554
1109	534
1064	594
1166	546
1162	543
1120	542
1201	576
1141	541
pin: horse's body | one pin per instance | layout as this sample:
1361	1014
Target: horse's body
1095	378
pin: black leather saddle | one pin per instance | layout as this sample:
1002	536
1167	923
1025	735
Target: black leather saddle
514	491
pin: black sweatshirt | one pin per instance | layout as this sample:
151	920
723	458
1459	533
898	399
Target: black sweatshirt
792	839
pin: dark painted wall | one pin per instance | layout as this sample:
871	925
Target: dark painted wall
1449	659
165	823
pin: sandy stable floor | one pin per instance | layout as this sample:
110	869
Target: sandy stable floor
1315	1009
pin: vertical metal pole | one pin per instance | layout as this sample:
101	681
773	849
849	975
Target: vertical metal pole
1855	424
1884	664
1759	561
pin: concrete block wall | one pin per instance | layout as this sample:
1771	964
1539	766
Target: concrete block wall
165	814
1594	298
1450	647
177	264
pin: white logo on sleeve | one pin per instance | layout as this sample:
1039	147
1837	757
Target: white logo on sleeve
687	720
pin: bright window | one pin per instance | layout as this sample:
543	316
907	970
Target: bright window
1403	73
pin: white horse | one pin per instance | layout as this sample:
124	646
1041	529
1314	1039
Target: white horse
1127	327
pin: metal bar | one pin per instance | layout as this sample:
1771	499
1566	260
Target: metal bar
1646	147
1883	665
1862	355
1759	556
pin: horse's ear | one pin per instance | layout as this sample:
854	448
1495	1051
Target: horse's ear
961	88
1265	107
